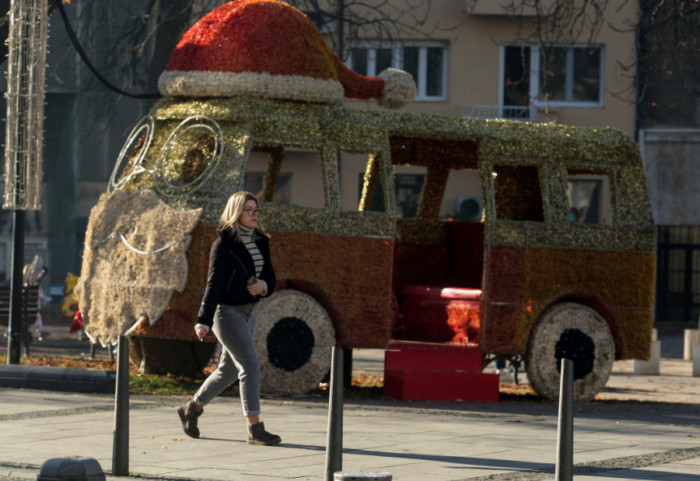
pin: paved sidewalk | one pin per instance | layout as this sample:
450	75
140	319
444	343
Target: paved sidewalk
625	440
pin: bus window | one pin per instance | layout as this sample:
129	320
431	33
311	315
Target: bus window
589	198
279	164
463	198
408	186
308	172
258	164
408	183
518	193
354	167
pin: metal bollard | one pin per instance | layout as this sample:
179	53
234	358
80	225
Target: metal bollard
362	476
120	446
565	433
334	439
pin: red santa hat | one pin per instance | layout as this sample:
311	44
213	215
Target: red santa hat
268	48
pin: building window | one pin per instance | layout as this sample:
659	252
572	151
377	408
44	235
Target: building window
552	75
427	62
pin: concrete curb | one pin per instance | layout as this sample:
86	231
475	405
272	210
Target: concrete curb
58	379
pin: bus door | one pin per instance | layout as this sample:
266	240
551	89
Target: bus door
438	246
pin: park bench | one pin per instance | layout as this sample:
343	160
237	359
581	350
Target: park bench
30	308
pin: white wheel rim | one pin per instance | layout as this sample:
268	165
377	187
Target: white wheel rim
294	315
561	333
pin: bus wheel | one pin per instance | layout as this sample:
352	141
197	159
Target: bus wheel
294	337
575	332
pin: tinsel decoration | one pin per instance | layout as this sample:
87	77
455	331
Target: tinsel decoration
536	274
26	85
463	318
370	181
129	270
270	49
437	142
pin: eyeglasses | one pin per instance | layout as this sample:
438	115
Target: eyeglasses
251	211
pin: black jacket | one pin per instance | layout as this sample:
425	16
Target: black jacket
226	282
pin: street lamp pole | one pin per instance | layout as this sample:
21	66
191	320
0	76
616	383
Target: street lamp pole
26	85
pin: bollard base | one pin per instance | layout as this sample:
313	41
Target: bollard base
71	469
690	337
650	367
361	476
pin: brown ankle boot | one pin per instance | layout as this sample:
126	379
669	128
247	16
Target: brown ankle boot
188	415
258	435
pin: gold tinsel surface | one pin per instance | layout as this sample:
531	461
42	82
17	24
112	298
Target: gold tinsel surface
438	142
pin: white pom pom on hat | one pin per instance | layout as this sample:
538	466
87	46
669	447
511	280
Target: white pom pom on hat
398	86
270	49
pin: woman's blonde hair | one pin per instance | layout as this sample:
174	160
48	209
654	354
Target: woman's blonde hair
234	209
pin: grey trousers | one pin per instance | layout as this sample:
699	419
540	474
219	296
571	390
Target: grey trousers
234	327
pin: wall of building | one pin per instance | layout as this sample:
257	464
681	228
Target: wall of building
475	43
672	162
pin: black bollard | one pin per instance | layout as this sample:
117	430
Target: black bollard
565	433
334	439
120	446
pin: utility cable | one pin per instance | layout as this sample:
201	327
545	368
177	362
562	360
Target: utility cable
83	55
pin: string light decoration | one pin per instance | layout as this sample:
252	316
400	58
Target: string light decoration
26	88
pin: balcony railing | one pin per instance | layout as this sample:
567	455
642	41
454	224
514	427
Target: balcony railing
491	8
512	112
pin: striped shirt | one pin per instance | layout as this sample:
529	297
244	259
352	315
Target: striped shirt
247	239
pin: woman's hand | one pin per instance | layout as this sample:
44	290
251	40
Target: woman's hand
201	330
257	289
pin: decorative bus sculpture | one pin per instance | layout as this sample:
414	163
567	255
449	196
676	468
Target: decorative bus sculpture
542	274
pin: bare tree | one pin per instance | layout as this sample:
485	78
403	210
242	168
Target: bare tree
131	41
347	21
669	63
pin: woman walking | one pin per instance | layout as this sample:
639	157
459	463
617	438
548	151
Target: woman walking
240	274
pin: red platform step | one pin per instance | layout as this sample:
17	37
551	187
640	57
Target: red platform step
416	371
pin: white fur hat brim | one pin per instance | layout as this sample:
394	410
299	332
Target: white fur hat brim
178	83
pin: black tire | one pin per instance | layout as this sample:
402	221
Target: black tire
575	332
294	338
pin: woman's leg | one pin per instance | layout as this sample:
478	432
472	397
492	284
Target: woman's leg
237	341
226	373
256	429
